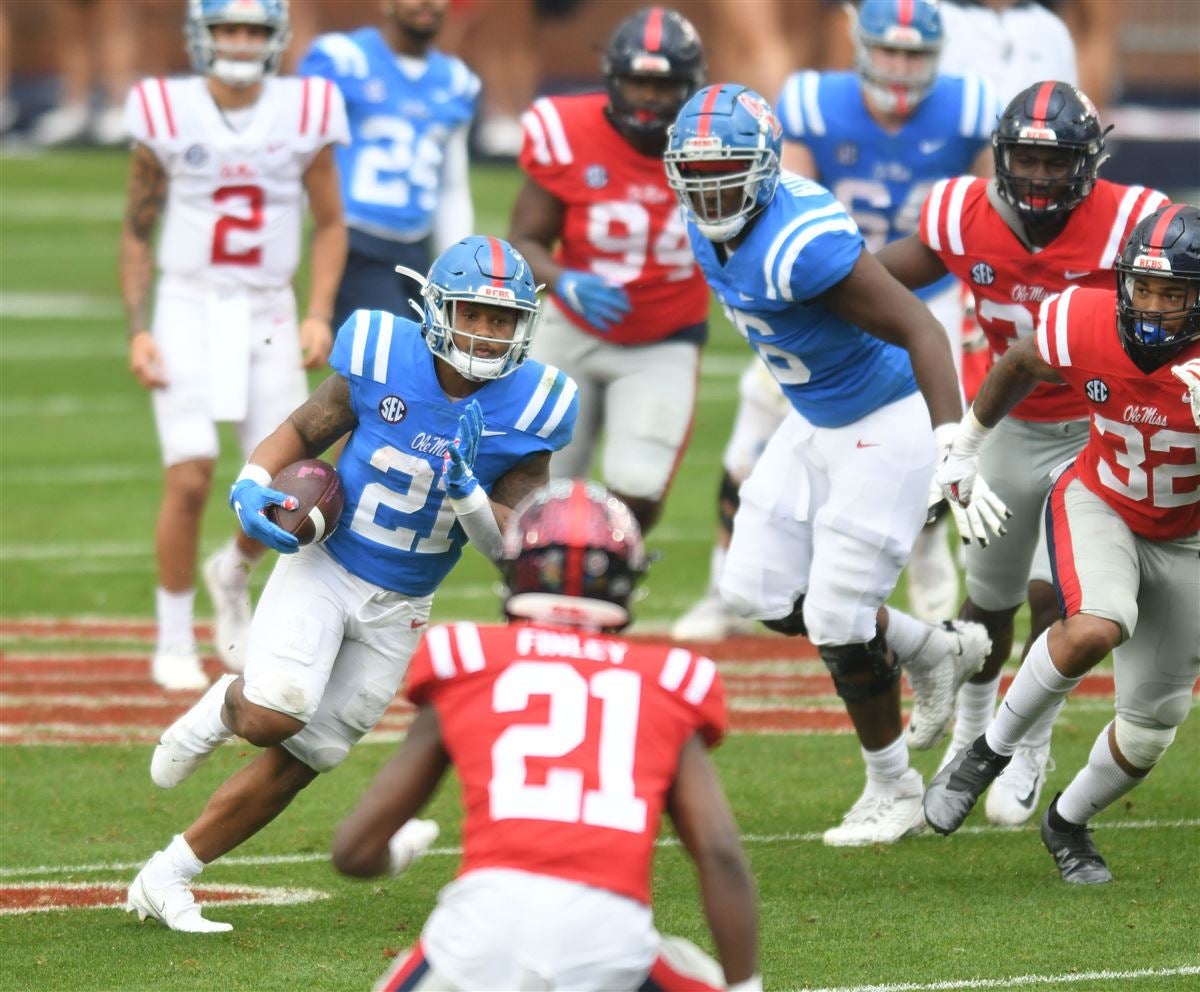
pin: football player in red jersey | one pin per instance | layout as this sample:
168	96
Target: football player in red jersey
1124	528
1044	224
629	305
569	743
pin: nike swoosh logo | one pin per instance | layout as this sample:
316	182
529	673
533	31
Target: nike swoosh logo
1076	275
866	444
487	433
419	623
1027	801
929	147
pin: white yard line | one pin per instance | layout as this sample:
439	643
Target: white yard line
756	840
1019	982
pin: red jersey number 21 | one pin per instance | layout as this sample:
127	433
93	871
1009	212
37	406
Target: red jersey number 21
562	797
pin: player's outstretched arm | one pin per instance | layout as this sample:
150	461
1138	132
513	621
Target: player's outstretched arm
147	191
706	827
870	298
534	229
911	262
400	790
328	256
1010	380
309	429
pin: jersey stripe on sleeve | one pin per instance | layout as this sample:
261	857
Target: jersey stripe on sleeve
942	221
1052	335
470	647
141	92
328	94
166	102
304	97
565	396
775	277
799	92
441	652
347	57
679	660
930	212
556	136
156	107
368	324
703	675
1116	234
554	385
535	135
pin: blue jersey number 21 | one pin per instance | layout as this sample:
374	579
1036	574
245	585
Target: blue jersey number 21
423	488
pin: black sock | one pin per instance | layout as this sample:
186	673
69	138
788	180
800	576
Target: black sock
1057	823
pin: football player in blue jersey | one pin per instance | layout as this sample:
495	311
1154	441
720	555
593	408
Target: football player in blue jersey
404	173
450	426
878	138
830	512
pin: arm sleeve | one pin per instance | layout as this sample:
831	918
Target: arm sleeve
454	217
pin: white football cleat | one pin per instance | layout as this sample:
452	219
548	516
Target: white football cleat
170	902
710	620
61	125
932	576
178	669
951	654
231	615
1014	795
186	743
883	814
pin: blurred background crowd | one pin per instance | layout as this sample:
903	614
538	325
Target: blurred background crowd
65	65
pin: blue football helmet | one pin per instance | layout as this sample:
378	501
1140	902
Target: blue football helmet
203	15
478	269
726	140
913	27
1163	246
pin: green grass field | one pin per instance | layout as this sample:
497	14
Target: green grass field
80	485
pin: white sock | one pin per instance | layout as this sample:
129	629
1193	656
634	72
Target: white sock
183	859
905	635
207	712
888	763
1038	687
175	611
716	565
1038	734
1099	784
976	704
234	566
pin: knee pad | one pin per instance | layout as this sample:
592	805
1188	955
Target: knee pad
1142	747
793	623
860	671
728	498
321	756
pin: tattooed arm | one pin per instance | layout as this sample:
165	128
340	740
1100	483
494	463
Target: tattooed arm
311	428
146	194
517	483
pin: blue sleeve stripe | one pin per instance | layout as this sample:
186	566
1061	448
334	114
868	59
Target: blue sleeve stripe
383	345
834	209
538	400
801	241
363	319
560	408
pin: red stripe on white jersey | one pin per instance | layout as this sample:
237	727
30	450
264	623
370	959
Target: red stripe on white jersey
141	92
304	106
166	102
664	977
328	104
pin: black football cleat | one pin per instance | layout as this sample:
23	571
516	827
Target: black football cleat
1075	853
956	789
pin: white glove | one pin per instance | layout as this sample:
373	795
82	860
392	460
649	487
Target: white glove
936	505
410	842
1189	374
977	510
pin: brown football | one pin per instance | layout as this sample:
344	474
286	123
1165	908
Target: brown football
316	485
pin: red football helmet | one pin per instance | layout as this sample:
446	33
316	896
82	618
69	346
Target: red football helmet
573	554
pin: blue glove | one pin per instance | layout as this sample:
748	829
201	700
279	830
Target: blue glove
598	301
250	501
460	456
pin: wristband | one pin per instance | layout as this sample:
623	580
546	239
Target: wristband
971	434
474	500
255	473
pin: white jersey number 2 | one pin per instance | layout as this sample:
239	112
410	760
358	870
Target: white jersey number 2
563	798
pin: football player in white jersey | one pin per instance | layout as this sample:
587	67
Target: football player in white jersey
232	154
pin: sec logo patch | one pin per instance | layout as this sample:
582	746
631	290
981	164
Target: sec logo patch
983	274
1096	390
392	409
